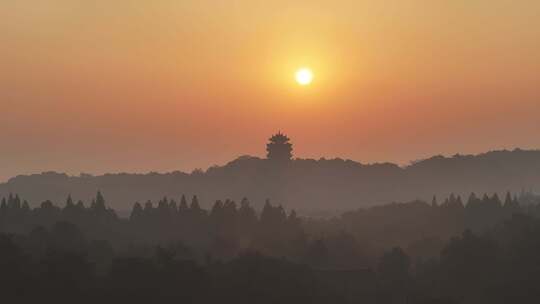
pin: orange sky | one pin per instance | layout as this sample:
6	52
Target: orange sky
137	86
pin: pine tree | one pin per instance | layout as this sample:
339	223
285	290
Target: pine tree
434	202
136	212
80	205
229	208
266	214
459	202
516	200
495	200
508	199
183	204
472	202
3	205
293	219
47	205
148	206
511	205
100	202
246	216
25	206
195	204
163	205
173	206
244	202
16	202
69	202
281	214
217	210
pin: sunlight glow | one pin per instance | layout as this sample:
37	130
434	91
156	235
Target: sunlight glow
304	76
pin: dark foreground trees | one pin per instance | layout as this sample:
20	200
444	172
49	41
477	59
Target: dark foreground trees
65	274
498	267
179	252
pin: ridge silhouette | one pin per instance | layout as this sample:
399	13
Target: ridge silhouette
327	186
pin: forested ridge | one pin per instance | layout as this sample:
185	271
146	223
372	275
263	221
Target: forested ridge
327	186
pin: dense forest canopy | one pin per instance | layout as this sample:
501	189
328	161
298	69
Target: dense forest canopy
483	249
228	228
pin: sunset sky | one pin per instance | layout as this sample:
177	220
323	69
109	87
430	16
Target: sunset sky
137	86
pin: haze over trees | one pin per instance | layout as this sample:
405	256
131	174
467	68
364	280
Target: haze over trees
228	227
307	185
480	250
475	247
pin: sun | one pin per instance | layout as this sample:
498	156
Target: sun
304	76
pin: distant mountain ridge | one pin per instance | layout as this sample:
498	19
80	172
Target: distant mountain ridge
304	184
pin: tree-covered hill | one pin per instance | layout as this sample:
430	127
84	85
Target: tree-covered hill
303	184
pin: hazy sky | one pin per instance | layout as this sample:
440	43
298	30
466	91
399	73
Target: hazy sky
137	86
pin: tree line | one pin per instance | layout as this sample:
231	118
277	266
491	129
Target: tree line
228	227
223	230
